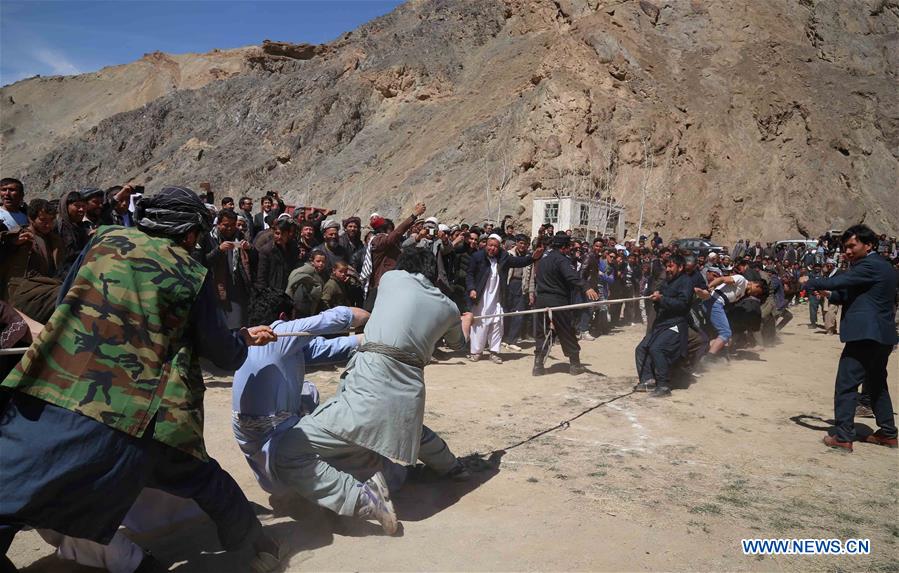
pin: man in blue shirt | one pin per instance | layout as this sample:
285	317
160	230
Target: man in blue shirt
269	395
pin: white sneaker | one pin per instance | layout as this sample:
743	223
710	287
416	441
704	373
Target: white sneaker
513	347
375	503
587	336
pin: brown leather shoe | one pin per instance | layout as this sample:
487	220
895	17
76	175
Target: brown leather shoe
836	444
881	440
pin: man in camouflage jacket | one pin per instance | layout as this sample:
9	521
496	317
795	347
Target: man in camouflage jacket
109	399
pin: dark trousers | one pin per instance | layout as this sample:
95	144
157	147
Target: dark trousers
864	363
784	316
615	309
656	353
650	314
813	305
370	298
563	325
600	323
70	473
632	309
514	302
582	316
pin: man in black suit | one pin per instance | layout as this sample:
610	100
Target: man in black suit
867	292
259	222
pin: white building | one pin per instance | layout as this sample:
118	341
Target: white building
586	218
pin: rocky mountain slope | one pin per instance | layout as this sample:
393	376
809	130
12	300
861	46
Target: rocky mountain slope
768	118
39	113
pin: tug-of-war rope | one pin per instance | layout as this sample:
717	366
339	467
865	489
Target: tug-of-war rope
494	455
549	309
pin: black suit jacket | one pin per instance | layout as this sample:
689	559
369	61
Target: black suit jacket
867	292
259	221
674	308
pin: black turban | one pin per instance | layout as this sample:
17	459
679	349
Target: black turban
172	212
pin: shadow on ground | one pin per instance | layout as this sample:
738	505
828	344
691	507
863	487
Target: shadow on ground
807	421
426	494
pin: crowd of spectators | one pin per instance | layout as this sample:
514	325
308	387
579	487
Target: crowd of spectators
744	294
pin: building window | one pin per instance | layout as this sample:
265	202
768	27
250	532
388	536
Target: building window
584	218
551	213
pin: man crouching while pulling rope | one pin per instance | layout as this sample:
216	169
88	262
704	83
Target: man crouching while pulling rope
379	407
666	342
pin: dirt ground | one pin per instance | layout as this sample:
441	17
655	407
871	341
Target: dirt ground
635	484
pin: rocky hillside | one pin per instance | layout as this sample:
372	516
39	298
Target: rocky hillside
768	118
39	113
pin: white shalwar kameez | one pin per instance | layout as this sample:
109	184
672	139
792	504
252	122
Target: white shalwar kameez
488	332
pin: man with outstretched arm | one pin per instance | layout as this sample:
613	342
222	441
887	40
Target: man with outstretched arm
867	327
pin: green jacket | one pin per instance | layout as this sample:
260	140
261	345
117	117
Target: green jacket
116	349
304	286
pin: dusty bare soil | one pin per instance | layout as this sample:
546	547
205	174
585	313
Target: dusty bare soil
636	484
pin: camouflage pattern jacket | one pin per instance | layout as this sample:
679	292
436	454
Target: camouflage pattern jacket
116	349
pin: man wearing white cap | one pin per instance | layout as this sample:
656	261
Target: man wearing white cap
711	262
486	284
331	244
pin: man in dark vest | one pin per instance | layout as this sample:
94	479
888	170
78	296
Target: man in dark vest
867	326
109	399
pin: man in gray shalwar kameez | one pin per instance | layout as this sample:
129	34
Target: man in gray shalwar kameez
379	407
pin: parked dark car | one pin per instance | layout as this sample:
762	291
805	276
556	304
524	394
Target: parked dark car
698	246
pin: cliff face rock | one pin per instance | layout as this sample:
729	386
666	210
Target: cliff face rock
764	119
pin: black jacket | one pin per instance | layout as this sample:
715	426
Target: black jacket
274	267
258	221
556	278
674	308
867	292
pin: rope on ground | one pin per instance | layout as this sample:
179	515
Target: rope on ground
564	307
561	425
